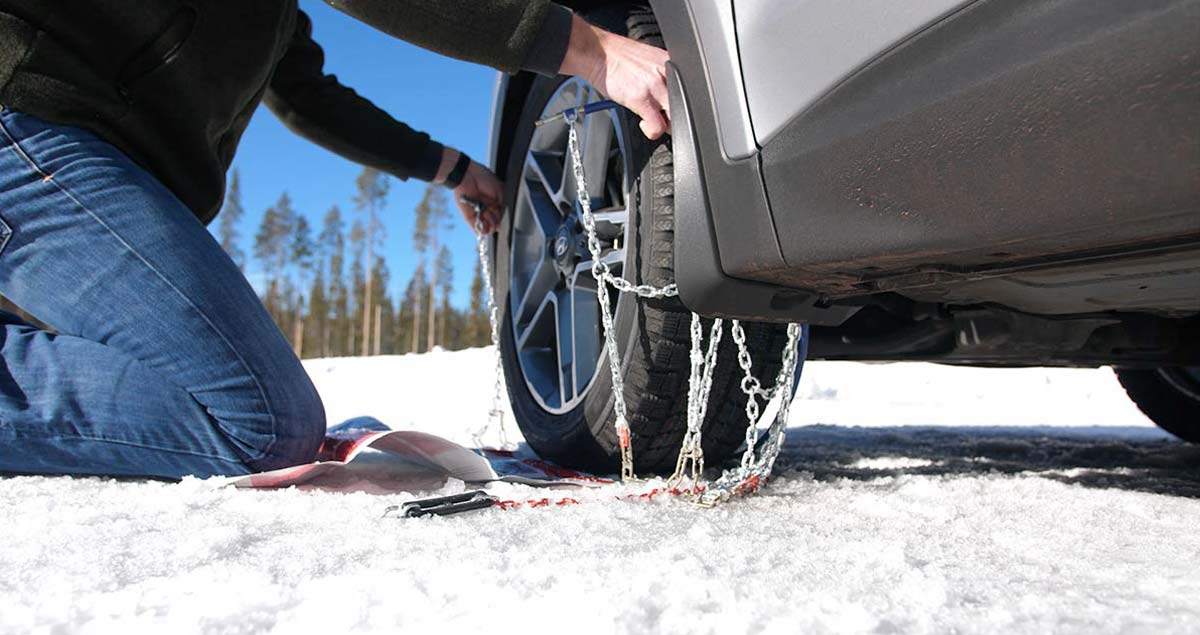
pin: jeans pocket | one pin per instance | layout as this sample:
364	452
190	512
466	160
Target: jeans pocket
5	234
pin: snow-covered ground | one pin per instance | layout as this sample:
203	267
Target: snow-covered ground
910	498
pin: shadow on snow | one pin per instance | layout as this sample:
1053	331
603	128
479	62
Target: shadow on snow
1140	459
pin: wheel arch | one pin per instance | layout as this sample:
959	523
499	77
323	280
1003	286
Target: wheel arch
711	285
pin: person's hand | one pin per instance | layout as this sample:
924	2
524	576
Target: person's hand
478	184
628	72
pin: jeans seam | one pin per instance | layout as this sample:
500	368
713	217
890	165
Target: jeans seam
47	177
80	437
5	235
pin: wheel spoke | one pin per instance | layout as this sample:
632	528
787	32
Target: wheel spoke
536	348
583	92
582	277
545	215
585	322
535	333
614	185
596	148
610	222
539	284
545	169
565	343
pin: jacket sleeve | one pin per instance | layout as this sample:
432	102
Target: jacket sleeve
318	108
507	35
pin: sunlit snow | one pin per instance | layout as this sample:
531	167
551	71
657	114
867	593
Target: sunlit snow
909	498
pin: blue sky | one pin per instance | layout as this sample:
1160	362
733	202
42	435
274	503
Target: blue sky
449	99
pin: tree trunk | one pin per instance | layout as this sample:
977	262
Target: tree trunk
433	282
366	343
416	326
432	315
442	322
298	337
366	327
378	327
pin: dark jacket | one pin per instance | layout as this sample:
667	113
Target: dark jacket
173	83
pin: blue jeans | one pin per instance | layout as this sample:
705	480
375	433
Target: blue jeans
164	363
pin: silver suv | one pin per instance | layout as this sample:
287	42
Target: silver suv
988	182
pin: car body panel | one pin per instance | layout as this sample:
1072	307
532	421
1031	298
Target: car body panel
716	36
1011	136
703	284
795	52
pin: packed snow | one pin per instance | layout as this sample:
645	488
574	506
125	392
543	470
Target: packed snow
909	498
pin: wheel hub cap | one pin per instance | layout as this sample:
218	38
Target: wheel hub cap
564	250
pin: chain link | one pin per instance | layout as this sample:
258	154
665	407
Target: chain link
643	290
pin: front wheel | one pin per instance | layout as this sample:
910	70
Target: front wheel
1169	396
552	336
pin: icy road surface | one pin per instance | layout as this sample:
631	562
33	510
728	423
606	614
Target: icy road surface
912	498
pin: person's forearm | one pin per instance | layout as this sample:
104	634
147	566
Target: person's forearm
545	55
585	51
319	108
497	33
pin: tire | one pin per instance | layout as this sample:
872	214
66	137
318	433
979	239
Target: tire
653	335
1169	396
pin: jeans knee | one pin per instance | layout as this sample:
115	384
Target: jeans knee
299	427
276	420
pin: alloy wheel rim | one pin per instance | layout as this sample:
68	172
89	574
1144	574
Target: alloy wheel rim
556	316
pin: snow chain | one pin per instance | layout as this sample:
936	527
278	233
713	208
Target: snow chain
756	463
496	414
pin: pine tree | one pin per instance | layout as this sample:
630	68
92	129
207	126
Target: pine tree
402	319
271	247
413	296
317	322
380	302
358	282
333	241
445	278
431	215
301	256
372	194
231	215
457	330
